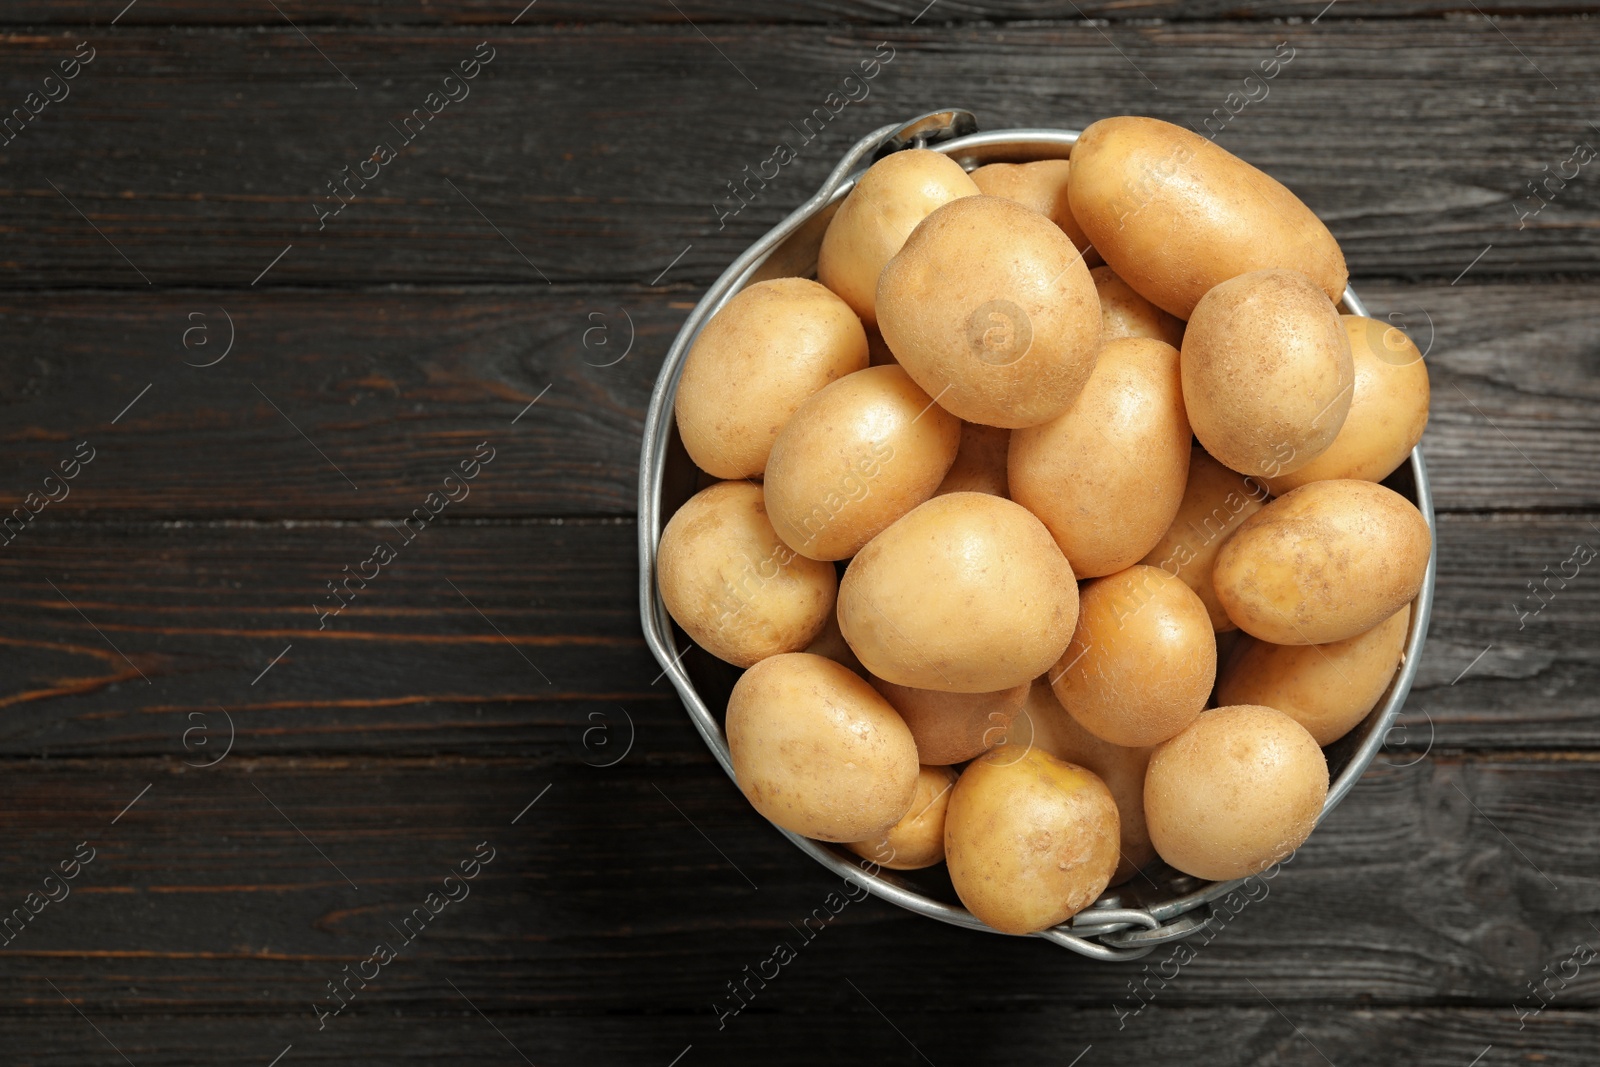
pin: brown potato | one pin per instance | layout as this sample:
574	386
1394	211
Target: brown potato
1329	688
917	840
854	458
770	347
1142	659
1030	841
980	465
892	197
953	727
966	594
817	752
735	588
1106	476
1236	792
1388	409
989	307
1124	313
1174	214
1267	372
1323	563
1042	186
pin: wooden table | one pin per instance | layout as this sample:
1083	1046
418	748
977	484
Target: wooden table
265	389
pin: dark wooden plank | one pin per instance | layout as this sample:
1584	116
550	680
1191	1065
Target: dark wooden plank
201	154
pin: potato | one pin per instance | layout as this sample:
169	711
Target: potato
1216	501
917	840
1174	214
1124	313
735	588
966	594
878	354
770	347
1267	372
953	727
1236	792
855	457
980	465
1121	769
1388	409
830	643
896	193
990	308
1030	841
817	752
1329	688
1042	186
1323	563
1142	659
1107	475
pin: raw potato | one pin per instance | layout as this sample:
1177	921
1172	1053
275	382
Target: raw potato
953	727
854	458
892	197
980	465
1235	793
830	643
917	840
817	751
966	594
1030	840
990	308
1042	186
1121	769
1388	409
736	589
1174	214
1142	660
770	347
1216	501
1322	563
1329	688
1267	372
1107	476
1124	313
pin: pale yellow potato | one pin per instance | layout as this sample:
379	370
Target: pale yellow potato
830	643
1236	792
1174	214
1121	769
1124	313
854	458
878	354
1042	186
990	308
1030	841
1323	563
1216	501
917	840
967	593
1142	659
1267	372
953	727
770	347
892	197
1328	688
1107	475
980	465
817	751
1388	409
736	589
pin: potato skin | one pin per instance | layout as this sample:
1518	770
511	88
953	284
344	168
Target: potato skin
1042	186
1030	840
817	751
1124	313
735	588
1388	409
770	347
1267	372
1009	338
980	465
1328	688
855	457
1174	214
917	840
1323	563
892	197
1107	475
965	594
953	727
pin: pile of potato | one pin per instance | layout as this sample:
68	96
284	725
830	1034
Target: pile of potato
1061	494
